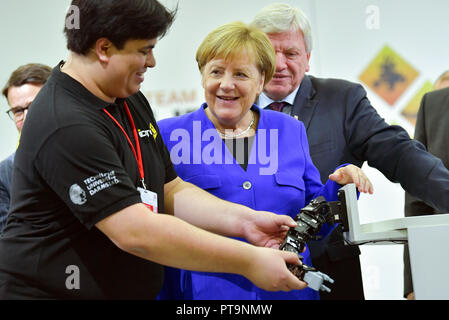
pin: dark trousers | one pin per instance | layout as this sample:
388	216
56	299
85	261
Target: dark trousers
341	262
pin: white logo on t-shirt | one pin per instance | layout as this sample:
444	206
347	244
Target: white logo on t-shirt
77	195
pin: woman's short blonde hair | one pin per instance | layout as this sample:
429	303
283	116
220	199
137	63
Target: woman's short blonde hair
232	39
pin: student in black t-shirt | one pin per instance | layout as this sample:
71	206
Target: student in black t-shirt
96	204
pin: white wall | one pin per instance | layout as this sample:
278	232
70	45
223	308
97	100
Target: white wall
31	31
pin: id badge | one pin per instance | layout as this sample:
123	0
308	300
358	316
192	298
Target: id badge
149	199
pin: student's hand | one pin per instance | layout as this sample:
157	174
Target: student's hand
268	270
266	229
352	174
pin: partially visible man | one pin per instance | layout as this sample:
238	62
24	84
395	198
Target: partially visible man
442	81
431	129
22	87
342	127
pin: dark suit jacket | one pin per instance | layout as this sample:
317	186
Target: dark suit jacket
343	127
6	167
433	131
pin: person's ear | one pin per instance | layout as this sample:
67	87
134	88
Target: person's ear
103	49
261	83
308	63
203	80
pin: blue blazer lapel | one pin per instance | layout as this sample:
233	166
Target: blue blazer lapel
305	102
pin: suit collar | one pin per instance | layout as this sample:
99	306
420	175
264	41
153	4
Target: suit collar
264	101
305	102
306	88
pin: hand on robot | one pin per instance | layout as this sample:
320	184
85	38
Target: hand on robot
352	174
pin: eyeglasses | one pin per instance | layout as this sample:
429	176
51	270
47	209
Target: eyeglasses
17	114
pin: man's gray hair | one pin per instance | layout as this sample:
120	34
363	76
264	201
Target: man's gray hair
280	17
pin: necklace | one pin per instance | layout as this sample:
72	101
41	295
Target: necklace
224	135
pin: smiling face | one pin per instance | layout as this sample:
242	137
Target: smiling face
231	87
292	62
126	67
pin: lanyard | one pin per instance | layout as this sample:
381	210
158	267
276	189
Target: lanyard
137	154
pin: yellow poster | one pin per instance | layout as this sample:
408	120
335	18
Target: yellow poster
389	75
410	111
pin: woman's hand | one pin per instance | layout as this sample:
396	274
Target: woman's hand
352	174
266	229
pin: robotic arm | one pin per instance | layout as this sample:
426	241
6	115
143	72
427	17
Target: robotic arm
309	222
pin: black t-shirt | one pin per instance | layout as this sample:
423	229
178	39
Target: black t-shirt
74	167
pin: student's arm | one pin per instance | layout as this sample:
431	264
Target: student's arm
198	207
171	241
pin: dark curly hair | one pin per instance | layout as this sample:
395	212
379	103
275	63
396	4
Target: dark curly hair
117	20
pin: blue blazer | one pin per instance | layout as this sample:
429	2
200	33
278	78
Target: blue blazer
280	178
6	167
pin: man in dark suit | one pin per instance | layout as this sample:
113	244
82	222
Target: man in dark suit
342	127
22	87
432	130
